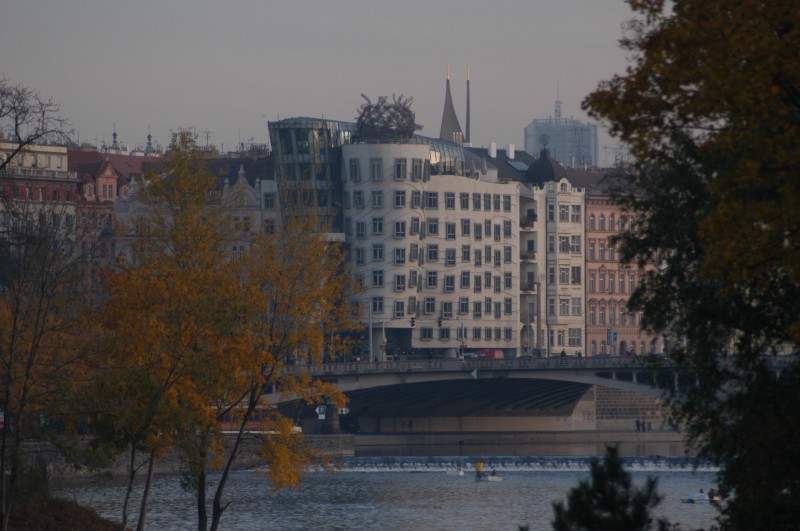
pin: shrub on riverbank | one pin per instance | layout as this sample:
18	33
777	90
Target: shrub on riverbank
53	514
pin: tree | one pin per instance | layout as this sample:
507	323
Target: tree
608	502
295	289
710	109
42	329
28	118
169	310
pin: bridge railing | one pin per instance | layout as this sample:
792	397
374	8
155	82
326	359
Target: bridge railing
452	364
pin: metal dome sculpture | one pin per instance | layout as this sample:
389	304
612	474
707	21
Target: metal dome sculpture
386	122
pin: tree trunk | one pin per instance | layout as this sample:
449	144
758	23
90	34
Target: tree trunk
202	514
147	484
131	476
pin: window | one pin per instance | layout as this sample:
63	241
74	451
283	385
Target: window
611	251
487	254
432	200
496	202
426	334
507	334
563	275
449	283
465	225
576	275
488	332
416	169
487	202
377	199
399	229
376	169
358	199
477	309
508	304
506	229
592	315
377	278
507	254
413	252
413	278
602	282
507	203
477	287
464	199
361	230
574	337
414	228
551	212
269	226
476	201
399	198
576	306
377	304
463	305
602	250
430	305
561	332
399	255
602	222
450	200
465	253
432	279
563	306
433	227
416	199
576	214
433	252
621	282
563	244
269	201
563	212
478	232
478	257
507	280
355	170
551	275
450	257
591	249
450	231
611	282
487	228
575	244
602	315
377	225
487	280
444	333
591	222
497	256
377	252
497	233
465	276
399	308
361	256
551	306
611	222
476	332
400	169
412	305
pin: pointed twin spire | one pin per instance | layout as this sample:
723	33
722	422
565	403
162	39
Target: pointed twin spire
451	129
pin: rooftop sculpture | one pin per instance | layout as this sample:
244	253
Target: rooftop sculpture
386	122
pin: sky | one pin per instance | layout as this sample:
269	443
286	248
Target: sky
230	67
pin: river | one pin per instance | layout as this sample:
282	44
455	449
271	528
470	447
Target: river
402	493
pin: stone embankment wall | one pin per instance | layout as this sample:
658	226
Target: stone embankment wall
617	409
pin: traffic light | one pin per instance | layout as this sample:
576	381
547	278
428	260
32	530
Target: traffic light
525	347
413	322
440	322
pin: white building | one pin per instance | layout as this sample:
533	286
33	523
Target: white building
438	254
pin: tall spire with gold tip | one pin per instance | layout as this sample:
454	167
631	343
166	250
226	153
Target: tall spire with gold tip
451	129
466	139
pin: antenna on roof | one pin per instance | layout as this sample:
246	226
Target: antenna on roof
558	101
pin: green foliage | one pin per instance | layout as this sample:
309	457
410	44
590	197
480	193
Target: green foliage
608	502
711	110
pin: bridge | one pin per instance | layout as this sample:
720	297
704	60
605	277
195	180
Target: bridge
557	393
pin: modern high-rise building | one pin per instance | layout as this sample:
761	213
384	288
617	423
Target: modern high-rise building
571	142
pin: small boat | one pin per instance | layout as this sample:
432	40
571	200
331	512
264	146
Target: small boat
488	477
700	498
455	472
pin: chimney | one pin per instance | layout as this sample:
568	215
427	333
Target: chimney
493	150
510	151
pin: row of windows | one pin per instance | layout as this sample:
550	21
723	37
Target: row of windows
606	349
431	253
477	333
597	315
29	192
616	282
428	306
566	306
573	336
605	249
613	225
566	244
431	280
431	227
428	200
566	213
566	275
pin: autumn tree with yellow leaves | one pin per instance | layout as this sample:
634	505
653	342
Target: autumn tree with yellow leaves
200	338
710	108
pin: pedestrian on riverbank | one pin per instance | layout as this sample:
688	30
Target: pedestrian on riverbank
638	425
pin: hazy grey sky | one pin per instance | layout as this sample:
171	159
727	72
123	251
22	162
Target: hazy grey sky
230	66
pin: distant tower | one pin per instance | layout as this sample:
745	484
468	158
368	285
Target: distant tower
114	144
467	139
451	129
149	148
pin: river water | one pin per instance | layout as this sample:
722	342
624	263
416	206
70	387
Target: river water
402	493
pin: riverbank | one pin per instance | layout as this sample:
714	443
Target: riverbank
544	443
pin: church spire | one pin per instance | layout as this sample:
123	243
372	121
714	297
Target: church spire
451	129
